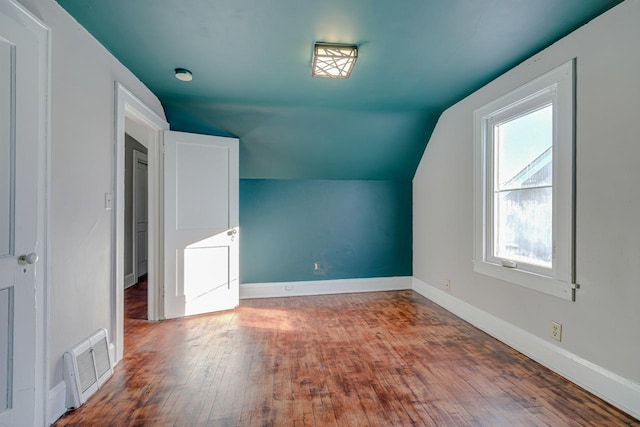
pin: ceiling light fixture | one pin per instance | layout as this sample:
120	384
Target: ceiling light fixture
334	61
183	74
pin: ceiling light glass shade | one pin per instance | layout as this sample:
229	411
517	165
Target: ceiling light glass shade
183	74
333	61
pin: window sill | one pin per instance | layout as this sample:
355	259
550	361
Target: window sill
544	284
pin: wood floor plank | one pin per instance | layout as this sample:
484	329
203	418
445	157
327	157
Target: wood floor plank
374	359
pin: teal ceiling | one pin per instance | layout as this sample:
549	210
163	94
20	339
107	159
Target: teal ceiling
251	65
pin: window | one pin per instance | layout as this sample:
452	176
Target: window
524	180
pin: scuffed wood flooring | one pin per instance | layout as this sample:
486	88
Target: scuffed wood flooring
371	359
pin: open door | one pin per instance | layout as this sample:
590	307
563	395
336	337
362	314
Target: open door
201	180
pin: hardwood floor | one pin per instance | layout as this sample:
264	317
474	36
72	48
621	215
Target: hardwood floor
369	359
135	302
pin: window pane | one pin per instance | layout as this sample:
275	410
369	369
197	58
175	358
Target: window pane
524	155
523	226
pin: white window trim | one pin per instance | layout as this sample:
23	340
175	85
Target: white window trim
558	281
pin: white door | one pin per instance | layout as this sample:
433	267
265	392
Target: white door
201	224
19	83
140	185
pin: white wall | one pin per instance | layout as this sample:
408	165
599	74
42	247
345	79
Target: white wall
603	324
82	155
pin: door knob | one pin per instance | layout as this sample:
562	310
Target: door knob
31	258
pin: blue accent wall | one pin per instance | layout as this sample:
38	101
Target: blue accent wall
352	229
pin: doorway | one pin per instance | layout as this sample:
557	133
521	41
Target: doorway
135	230
135	119
218	240
135	211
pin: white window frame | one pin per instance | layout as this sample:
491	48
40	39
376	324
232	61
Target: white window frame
556	87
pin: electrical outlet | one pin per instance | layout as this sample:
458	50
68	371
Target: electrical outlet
316	266
556	331
447	285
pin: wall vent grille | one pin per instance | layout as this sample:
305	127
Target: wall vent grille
86	367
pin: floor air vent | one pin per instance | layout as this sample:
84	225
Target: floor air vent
86	367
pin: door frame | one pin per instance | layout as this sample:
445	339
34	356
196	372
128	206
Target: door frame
43	227
129	108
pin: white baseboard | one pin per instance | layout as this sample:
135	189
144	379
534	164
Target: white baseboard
615	389
130	280
56	406
323	287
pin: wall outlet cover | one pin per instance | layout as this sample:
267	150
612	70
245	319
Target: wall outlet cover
556	331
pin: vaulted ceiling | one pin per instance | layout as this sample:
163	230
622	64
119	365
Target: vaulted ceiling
251	65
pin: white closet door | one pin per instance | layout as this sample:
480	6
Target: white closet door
19	136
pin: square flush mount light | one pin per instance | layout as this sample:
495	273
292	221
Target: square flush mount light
334	61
